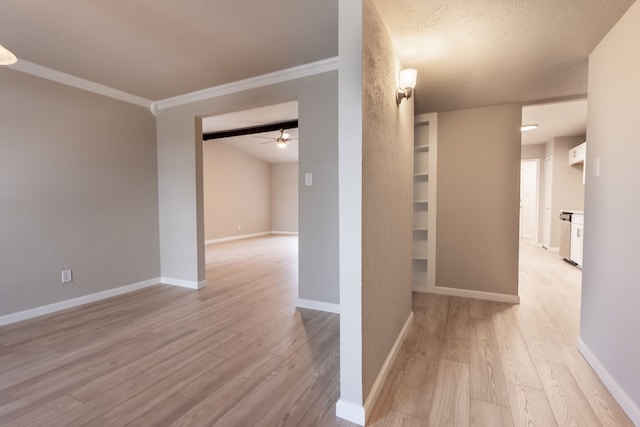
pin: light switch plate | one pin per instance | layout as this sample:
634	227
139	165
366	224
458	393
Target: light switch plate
308	179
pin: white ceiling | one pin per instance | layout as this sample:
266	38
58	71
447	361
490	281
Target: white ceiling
567	118
468	52
255	145
158	49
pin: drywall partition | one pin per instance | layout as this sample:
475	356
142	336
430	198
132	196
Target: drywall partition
79	191
284	197
376	139
610	292
237	192
182	255
478	202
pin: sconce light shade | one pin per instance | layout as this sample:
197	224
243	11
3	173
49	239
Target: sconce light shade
407	80
6	57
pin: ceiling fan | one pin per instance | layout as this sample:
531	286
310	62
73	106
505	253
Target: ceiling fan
282	140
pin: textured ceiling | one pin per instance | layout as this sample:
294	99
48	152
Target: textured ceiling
473	53
157	49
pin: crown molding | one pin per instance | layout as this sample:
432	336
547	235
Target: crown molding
318	67
305	70
69	80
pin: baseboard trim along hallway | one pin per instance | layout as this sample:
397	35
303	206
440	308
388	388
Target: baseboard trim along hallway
359	414
625	401
318	305
487	296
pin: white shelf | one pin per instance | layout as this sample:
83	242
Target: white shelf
420	229
419	258
418	148
421	201
421	175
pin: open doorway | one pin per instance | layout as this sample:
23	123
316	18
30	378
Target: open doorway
551	183
250	175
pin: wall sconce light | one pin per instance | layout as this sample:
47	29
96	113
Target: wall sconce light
6	57
407	83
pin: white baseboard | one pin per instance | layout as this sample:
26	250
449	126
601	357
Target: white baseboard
350	411
286	233
552	249
183	283
357	413
489	296
238	237
74	302
624	400
318	305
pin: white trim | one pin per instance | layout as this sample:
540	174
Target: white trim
618	393
305	70
488	296
318	305
238	237
74	302
73	81
285	233
359	414
190	284
350	411
553	249
386	368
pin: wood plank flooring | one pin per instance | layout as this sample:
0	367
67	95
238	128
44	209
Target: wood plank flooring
239	353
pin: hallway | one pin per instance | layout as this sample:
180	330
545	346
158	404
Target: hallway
477	363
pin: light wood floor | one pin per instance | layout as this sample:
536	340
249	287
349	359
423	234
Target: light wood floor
238	353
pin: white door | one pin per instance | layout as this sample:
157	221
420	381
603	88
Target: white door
548	181
529	199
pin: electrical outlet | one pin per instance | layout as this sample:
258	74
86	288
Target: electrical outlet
239	227
67	276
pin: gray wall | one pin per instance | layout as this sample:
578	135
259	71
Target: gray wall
478	199
284	197
179	181
610	290
387	198
237	192
79	191
567	191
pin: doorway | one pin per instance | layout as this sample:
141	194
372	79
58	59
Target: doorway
548	185
529	185
250	174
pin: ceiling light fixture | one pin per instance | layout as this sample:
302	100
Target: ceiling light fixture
525	128
407	80
6	57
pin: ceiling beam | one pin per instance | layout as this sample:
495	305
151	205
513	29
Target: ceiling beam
291	124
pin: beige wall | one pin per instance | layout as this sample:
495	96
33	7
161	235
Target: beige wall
567	191
610	284
387	198
237	192
478	199
79	190
284	197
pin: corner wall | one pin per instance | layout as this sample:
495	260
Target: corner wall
284	197
478	200
610	284
79	191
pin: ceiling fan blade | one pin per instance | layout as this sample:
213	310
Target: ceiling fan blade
264	137
266	142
